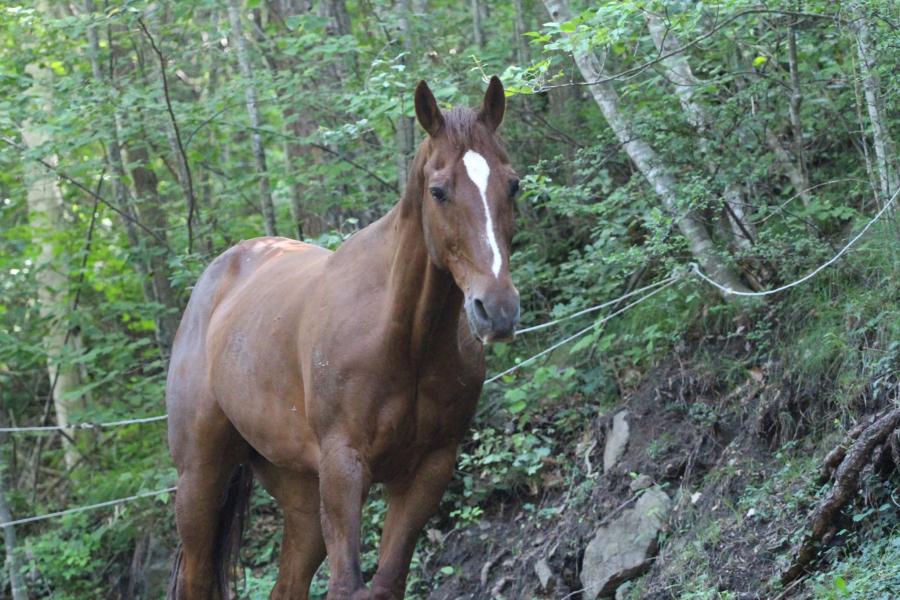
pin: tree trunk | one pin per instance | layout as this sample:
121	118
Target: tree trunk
789	167
176	147
336	12
794	105
522	56
152	214
682	77
885	153
13	560
405	126
863	139
339	24
300	124
259	152
647	160
153	269
477	27
45	208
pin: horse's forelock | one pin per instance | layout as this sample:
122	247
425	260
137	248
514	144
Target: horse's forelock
464	130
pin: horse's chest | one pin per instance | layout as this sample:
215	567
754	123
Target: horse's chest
432	414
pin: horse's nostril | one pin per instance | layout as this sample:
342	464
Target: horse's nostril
478	305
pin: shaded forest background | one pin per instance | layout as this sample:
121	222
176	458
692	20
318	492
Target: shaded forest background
140	139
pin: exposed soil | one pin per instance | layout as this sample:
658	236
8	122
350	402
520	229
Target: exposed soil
683	428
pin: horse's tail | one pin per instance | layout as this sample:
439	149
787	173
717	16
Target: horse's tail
232	517
227	544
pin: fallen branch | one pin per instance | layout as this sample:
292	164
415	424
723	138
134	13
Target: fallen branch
846	481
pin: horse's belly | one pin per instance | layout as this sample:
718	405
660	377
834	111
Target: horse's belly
261	392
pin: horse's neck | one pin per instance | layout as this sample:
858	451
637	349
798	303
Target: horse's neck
421	296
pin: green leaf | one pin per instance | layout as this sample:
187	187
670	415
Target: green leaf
517	407
840	584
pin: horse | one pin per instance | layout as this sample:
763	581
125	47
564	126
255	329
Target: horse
321	373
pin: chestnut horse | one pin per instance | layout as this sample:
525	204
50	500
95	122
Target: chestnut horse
322	373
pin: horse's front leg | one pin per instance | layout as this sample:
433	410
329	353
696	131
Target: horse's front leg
411	502
343	484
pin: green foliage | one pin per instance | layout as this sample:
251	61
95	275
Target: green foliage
333	103
868	572
496	461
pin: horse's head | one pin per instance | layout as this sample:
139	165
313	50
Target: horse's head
467	207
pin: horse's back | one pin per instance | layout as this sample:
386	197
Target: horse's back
233	274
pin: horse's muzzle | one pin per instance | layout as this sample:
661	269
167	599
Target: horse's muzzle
493	318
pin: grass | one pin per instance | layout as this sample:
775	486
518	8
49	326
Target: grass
870	572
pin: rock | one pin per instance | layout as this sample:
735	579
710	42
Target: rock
616	441
543	572
622	549
641	482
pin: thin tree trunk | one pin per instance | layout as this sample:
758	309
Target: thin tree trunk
406	127
794	104
789	167
173	136
863	139
300	124
259	152
336	11
152	214
339	24
13	559
522	56
153	269
477	28
647	160
782	158
682	77
45	208
885	149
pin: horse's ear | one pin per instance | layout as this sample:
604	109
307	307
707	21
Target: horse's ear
427	111
492	110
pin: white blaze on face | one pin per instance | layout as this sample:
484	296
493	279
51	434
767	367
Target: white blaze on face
478	171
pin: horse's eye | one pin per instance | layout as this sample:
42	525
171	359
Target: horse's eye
513	188
438	194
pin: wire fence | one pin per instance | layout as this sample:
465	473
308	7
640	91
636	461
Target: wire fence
656	288
663	285
652	290
77	426
78	509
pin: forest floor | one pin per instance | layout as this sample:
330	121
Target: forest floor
741	464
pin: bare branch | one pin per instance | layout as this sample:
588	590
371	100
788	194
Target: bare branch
189	180
89	192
